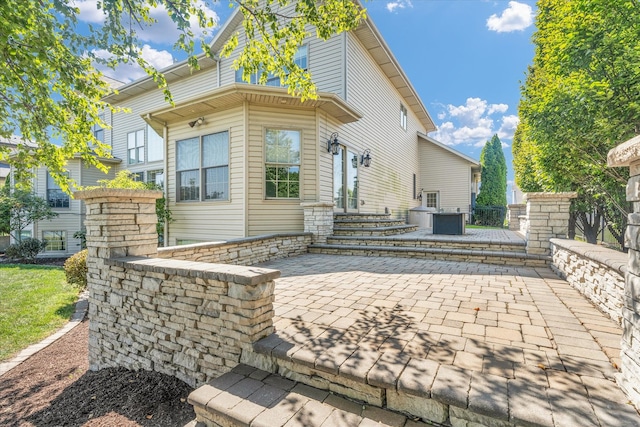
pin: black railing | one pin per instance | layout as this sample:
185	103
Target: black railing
489	216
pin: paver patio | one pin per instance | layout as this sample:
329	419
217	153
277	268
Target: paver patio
504	340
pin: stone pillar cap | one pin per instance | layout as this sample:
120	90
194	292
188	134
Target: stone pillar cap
317	205
117	192
625	153
551	196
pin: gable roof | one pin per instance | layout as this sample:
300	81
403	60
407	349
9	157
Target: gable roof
372	40
437	143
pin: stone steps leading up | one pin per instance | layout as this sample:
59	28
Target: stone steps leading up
250	397
428	242
374	231
497	257
339	216
368	223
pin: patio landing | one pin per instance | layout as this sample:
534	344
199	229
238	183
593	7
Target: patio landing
446	342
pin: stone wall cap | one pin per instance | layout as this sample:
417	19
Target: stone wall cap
317	205
517	205
241	274
625	153
238	241
552	196
611	258
100	193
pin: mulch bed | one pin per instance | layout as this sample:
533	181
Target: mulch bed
55	388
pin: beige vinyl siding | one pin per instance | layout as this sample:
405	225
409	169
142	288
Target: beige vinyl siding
210	220
388	183
268	215
326	59
443	172
68	220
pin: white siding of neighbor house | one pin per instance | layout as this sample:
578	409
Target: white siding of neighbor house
388	183
269	215
443	172
210	220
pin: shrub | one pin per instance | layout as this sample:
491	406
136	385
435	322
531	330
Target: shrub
75	268
27	250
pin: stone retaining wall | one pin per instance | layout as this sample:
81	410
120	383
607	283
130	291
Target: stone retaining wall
595	271
245	251
547	218
192	320
515	212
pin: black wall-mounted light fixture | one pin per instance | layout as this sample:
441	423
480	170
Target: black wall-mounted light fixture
365	159
333	146
196	122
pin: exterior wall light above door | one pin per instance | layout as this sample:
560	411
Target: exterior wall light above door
365	159
333	146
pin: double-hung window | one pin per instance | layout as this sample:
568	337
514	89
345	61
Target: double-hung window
202	165
155	145
135	147
300	58
55	196
282	164
54	240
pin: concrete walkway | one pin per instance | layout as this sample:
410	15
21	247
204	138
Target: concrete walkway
542	352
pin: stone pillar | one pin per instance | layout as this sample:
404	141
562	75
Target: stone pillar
628	154
515	211
547	218
119	223
318	220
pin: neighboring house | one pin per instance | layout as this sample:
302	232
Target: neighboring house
238	159
449	179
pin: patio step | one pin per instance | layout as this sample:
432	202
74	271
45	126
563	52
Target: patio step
247	396
429	242
486	256
340	216
374	231
368	223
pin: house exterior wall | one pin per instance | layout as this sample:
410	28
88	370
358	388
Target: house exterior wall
388	183
447	174
201	221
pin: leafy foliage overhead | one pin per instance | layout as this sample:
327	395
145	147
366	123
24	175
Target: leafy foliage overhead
51	92
581	98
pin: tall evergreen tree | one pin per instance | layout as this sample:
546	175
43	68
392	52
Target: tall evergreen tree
493	190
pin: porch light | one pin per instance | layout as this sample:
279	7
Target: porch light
365	159
333	146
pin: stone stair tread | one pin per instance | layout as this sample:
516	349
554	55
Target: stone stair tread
250	397
390	227
437	239
426	250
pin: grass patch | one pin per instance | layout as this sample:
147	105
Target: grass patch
484	227
35	301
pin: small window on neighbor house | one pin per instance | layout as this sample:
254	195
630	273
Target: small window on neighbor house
25	234
137	176
155	145
135	147
282	166
431	200
156	177
403	117
98	132
55	196
54	240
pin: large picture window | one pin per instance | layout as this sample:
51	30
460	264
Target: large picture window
135	147
55	240
282	166
55	196
202	166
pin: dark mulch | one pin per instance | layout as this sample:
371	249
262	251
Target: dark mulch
55	388
58	262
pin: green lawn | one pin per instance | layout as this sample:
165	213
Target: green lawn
34	302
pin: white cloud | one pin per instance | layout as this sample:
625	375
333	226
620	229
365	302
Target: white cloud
89	11
159	59
163	31
399	4
516	17
474	122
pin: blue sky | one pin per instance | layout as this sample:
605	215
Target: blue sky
465	58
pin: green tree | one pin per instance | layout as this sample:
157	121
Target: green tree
493	190
25	208
581	98
50	89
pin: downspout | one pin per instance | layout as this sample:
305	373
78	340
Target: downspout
217	59
165	136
